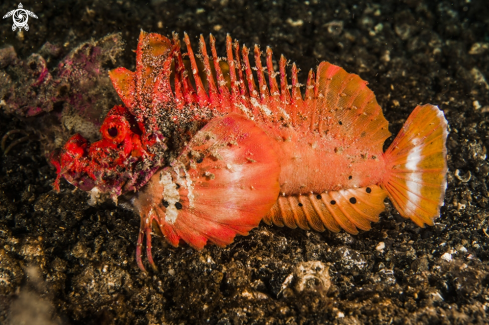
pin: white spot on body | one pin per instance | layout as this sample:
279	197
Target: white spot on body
244	109
178	180
186	182
190	188
284	113
263	108
170	195
230	167
236	174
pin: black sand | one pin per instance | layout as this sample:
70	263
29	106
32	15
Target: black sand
64	262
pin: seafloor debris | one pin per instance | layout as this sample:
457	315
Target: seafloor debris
308	277
72	98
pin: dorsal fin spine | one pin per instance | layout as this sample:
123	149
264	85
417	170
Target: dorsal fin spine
162	88
243	88
309	98
331	96
180	99
284	88
255	99
232	70
188	90
275	104
274	91
244	97
297	102
309	93
213	92
202	98
221	82
251	82
139	68
262	83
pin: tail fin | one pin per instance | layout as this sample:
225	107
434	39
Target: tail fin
417	165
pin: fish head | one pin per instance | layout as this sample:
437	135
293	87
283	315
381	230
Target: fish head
113	164
132	145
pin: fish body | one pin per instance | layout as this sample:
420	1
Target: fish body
249	148
316	163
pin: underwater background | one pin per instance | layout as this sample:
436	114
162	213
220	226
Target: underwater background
63	261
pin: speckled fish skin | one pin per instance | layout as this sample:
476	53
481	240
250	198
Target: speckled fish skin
268	152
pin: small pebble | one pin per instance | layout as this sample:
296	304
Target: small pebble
380	247
447	257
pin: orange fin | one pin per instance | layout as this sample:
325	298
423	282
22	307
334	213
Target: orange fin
417	165
346	108
149	85
223	184
124	82
152	52
349	209
336	103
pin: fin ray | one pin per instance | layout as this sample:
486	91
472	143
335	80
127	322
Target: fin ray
349	209
347	108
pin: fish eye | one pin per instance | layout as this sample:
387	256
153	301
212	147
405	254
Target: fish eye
113	132
115	128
